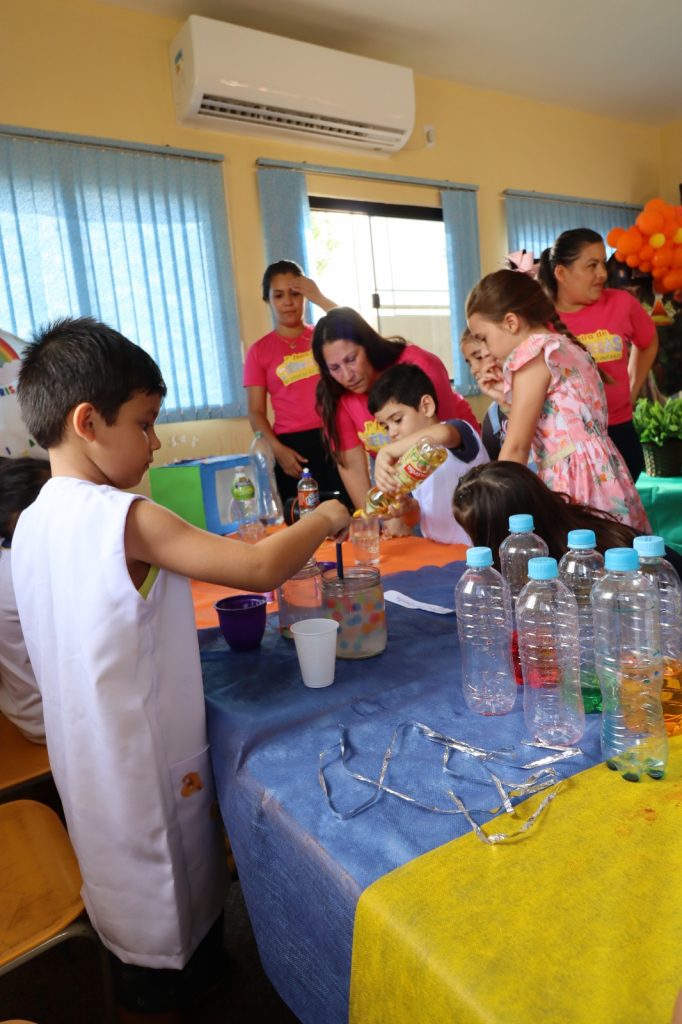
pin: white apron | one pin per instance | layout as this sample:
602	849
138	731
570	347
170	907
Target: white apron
123	702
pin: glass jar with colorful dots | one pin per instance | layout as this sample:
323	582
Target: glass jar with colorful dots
357	604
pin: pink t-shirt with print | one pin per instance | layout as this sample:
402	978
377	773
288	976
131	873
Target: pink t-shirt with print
356	425
608	327
286	369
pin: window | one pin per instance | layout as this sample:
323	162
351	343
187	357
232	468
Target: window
136	238
534	220
389	262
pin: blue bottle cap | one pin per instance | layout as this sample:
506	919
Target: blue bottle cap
306	472
543	568
621	560
478	557
582	539
521	523
649	547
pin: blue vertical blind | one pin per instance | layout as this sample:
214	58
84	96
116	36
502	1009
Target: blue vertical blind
135	238
464	269
534	220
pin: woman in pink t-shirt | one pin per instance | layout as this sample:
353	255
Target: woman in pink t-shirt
280	365
351	355
611	324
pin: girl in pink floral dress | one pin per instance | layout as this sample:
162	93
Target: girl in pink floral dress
558	407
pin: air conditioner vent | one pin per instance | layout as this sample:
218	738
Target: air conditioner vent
367	136
236	79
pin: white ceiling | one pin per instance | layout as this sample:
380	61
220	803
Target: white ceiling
618	58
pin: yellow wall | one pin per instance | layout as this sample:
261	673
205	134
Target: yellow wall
88	68
671	162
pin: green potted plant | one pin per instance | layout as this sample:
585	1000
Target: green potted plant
659	427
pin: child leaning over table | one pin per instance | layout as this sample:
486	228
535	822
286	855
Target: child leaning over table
404	402
106	609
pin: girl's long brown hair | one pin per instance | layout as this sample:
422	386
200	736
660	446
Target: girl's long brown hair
344	324
487	495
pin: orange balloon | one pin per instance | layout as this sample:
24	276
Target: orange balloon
645	267
656	205
672	280
677	257
620	256
613	236
658	286
670	226
663	257
633	259
630	241
657	240
646	252
649	222
658	272
677	237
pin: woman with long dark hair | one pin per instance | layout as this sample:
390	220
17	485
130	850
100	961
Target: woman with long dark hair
610	323
351	355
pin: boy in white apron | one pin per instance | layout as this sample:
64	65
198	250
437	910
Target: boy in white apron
106	610
403	400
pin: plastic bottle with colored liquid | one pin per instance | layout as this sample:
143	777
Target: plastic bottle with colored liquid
579	569
414	466
308	493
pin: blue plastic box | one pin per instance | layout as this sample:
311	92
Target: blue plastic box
199	489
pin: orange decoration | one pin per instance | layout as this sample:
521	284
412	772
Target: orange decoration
658	272
677	237
657	240
677	257
672	280
613	236
649	222
645	267
670	226
646	253
657	205
664	256
620	256
630	241
632	260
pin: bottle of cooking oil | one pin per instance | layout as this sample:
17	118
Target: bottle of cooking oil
417	463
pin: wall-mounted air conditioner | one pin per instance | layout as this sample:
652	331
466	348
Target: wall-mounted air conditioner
237	79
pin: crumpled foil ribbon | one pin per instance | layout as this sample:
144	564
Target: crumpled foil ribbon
540	780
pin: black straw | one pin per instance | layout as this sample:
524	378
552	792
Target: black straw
339	562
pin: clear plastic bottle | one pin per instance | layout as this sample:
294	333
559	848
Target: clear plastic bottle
269	502
547	618
627	654
579	569
515	550
652	561
308	493
484	627
244	504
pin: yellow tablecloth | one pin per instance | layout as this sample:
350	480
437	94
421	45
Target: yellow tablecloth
578	922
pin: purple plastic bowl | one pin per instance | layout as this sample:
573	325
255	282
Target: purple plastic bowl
242	620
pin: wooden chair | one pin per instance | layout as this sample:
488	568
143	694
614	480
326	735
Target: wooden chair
40	902
21	762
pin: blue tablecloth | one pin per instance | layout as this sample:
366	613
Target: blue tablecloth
301	868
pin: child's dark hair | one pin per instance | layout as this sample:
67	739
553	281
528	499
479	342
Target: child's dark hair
565	251
280	267
20	483
80	360
508	291
487	495
404	383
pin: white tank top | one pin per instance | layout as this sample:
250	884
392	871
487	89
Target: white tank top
123	702
434	495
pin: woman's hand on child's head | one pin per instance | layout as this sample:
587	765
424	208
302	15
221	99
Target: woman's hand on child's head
338	518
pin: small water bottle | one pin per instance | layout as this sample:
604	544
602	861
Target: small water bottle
627	655
308	493
269	501
651	551
244	505
515	550
547	619
484	627
579	569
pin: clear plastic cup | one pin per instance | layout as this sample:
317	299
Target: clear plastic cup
315	641
365	534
